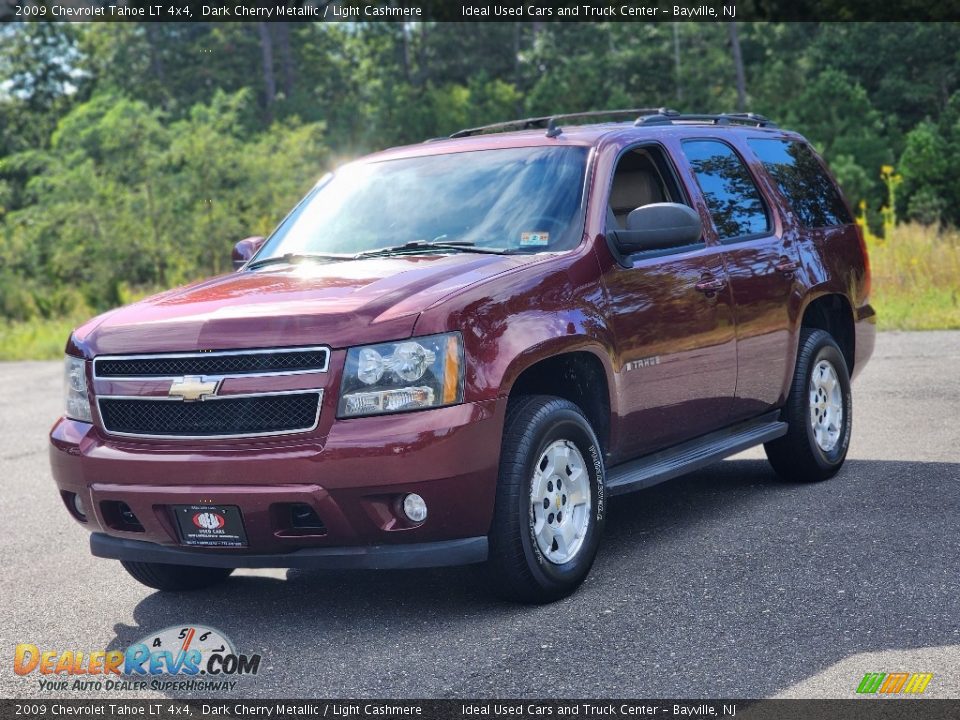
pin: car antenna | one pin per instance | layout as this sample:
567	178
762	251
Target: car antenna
553	130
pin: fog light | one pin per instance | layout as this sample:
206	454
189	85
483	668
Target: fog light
78	506
414	508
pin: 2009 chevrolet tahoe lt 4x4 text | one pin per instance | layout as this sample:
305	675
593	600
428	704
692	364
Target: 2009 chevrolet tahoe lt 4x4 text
456	352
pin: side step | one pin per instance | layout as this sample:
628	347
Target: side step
693	454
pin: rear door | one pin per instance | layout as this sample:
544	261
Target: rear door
812	210
761	260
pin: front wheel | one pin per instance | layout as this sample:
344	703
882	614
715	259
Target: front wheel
819	412
550	508
175	577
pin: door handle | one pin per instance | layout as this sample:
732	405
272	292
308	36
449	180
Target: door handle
710	285
787	266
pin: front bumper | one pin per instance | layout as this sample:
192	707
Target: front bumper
351	476
374	557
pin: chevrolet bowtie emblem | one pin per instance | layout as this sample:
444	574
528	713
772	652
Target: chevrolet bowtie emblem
193	387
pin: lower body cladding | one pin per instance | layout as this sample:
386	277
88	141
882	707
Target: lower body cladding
335	502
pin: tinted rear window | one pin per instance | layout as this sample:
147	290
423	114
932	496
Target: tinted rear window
728	188
801	178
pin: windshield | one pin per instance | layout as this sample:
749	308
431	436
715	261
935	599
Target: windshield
511	200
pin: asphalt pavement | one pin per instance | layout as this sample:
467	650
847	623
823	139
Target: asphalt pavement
726	583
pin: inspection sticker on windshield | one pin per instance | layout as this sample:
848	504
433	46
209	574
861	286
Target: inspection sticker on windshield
534	238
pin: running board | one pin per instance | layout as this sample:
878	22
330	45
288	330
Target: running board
693	455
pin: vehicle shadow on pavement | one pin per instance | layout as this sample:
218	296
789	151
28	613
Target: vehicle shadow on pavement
725	583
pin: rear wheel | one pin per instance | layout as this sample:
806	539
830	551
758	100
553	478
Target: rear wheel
549	511
175	577
819	411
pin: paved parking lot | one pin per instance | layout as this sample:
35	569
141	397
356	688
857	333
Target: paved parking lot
727	583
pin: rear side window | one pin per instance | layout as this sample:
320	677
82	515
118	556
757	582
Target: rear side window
728	188
801	178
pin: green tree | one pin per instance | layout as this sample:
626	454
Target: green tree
835	113
931	155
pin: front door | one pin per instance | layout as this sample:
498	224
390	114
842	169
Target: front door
676	353
672	318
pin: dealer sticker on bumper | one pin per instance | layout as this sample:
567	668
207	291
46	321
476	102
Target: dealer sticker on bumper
210	525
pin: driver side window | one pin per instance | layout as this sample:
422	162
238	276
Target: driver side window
641	178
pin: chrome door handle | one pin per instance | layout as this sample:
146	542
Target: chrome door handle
711	285
787	266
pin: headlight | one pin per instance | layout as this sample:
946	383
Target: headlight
414	374
76	400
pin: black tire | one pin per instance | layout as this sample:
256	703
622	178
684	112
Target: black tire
175	577
517	568
797	456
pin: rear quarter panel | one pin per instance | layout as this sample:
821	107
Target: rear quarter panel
834	261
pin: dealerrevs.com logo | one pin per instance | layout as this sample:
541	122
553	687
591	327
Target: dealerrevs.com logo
180	657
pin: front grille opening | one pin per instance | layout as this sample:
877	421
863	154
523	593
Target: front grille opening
223	417
292	519
219	363
119	516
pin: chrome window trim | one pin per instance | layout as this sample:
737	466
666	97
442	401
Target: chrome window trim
213	353
212	398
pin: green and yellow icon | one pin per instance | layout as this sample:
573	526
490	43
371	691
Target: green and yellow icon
894	683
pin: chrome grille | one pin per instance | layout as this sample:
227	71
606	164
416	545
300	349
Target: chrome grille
227	416
276	361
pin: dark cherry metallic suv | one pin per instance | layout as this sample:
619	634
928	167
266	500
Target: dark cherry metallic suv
456	352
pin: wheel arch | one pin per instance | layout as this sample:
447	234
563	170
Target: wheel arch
833	313
580	374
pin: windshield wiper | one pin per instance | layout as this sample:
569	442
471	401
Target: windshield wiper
293	258
413	246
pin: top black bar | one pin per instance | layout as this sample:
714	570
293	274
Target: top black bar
480	10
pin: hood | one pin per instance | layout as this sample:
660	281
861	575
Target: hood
336	304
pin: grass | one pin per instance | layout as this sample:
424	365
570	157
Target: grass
916	279
916	286
35	340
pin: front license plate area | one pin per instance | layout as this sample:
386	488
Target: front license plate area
210	525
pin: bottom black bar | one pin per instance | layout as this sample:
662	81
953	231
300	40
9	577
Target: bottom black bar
865	708
440	553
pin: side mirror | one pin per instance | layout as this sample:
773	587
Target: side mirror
659	226
246	249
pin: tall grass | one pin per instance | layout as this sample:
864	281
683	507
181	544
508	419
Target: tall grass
39	339
916	278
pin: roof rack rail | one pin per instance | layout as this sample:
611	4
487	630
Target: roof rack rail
643	117
549	122
669	117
